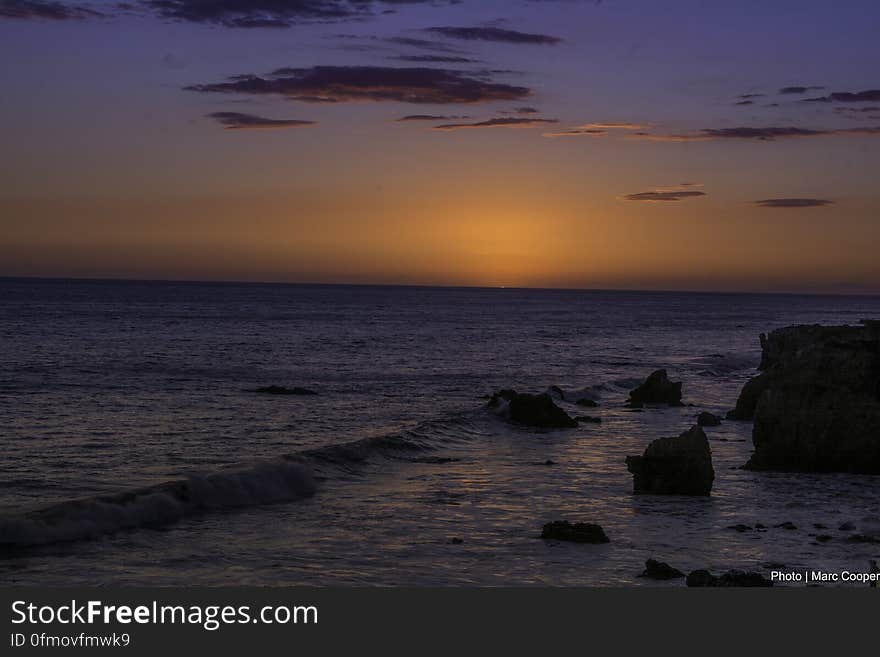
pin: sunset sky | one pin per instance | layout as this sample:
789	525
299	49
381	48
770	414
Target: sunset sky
690	144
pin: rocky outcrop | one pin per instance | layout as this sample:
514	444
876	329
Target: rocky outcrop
657	389
659	570
706	419
532	410
579	532
674	466
816	403
281	390
728	579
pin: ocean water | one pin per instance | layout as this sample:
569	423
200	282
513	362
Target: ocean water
112	393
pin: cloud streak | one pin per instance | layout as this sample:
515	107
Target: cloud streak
663	195
240	121
594	129
45	10
501	122
793	202
869	96
789	91
757	134
435	59
343	84
273	13
496	34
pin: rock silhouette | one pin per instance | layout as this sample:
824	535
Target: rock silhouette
816	404
579	532
659	570
706	419
533	410
674	466
657	389
728	579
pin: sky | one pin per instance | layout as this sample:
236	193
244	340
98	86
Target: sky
629	144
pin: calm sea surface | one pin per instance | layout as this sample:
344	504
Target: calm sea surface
107	387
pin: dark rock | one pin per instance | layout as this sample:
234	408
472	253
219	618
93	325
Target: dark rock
706	419
586	402
674	466
659	570
589	419
701	578
549	462
759	525
816	403
281	390
657	389
863	538
556	391
533	410
824	538
846	527
786	525
579	532
742	578
506	394
731	578
748	399
456	541
773	565
741	528
819	525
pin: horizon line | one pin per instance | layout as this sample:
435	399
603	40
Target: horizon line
198	281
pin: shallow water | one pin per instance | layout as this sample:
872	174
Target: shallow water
108	386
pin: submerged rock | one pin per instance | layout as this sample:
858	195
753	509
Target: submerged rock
863	538
706	419
586	402
674	466
556	392
729	579
281	390
657	389
579	532
659	570
816	404
533	410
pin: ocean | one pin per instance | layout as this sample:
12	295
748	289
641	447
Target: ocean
113	392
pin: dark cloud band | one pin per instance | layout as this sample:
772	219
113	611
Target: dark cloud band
759	134
45	10
502	122
239	121
869	96
793	202
664	195
494	34
788	91
340	84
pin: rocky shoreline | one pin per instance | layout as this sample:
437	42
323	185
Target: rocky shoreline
815	406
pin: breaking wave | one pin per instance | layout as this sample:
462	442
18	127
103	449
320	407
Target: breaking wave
285	479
